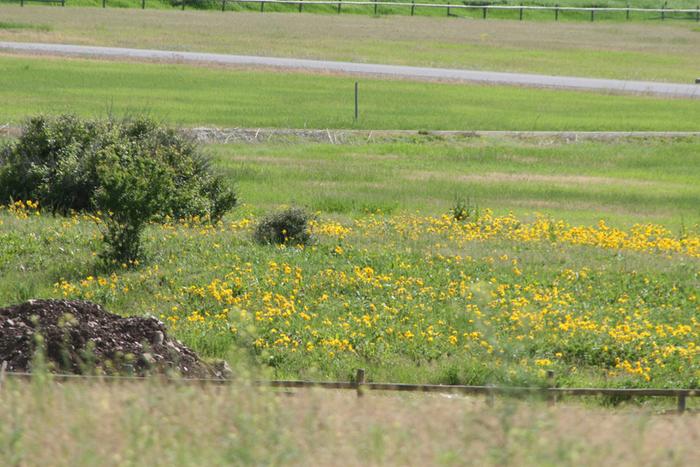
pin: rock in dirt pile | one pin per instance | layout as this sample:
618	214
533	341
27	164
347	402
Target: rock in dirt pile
80	337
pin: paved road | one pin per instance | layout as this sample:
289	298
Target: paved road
520	79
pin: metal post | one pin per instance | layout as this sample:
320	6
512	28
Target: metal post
339	3
663	12
448	8
21	2
413	7
357	107
375	7
556	13
262	7
697	13
301	5
628	12
592	15
184	3
104	3
484	12
521	14
223	5
143	4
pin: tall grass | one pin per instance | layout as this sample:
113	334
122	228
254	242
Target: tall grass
84	424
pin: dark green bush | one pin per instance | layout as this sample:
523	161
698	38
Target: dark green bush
289	226
130	171
56	160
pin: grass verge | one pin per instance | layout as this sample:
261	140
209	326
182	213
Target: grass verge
89	424
193	96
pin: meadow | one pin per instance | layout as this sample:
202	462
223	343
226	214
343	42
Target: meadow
193	96
636	51
449	260
412	295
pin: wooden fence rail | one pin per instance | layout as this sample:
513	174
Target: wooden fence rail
449	8
361	386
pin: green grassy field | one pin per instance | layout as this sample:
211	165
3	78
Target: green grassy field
194	96
651	51
415	296
623	182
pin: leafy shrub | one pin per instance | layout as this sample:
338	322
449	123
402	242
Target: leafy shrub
56	160
289	226
463	210
130	171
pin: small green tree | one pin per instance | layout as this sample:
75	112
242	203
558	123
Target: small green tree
131	194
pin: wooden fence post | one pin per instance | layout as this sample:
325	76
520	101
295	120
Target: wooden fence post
3	367
490	396
360	381
681	403
551	397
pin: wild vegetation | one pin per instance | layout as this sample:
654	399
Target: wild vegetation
481	298
127	173
147	423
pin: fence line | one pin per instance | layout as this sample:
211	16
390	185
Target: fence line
361	386
447	6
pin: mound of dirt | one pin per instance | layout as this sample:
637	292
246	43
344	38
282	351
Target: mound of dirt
81	337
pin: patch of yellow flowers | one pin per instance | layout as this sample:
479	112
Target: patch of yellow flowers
404	287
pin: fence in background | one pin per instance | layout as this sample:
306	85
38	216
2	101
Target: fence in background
663	12
361	386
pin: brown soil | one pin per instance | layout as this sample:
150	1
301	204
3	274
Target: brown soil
81	337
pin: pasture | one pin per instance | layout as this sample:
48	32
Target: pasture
496	298
193	96
647	51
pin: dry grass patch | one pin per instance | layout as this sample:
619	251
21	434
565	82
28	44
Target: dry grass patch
150	424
